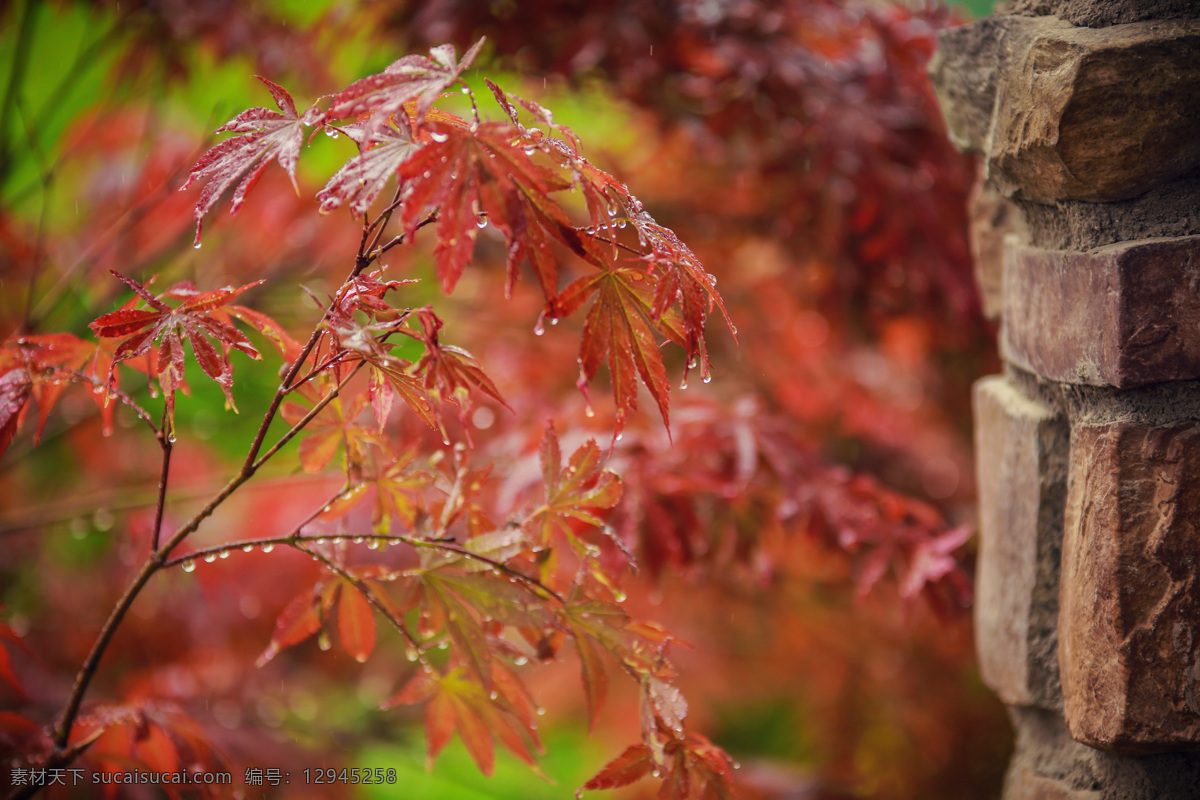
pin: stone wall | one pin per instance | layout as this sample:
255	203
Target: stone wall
1085	115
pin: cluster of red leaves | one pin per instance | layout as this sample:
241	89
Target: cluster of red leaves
464	175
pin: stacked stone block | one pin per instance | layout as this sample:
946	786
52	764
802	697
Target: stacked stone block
1085	115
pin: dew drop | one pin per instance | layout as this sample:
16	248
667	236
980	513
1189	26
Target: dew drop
247	548
443	645
438	137
266	548
737	765
189	566
481	222
539	329
657	773
708	378
373	544
358	540
520	661
410	653
171	437
494	695
683	384
541	712
211	557
619	437
693	362
579	794
323	641
196	246
554	320
466	90
589	411
224	554
619	596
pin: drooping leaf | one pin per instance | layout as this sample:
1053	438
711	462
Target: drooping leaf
301	618
619	331
363	177
356	623
265	136
632	765
466	171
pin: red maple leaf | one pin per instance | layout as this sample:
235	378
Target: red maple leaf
266	136
139	328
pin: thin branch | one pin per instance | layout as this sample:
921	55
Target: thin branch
166	442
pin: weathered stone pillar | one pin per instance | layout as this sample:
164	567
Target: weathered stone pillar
1086	117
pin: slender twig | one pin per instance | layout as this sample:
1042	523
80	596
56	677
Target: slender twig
166	442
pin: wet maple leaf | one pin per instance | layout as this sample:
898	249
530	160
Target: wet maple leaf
266	136
619	331
363	177
139	328
412	78
691	768
334	427
574	493
399	493
500	711
450	372
310	611
464	171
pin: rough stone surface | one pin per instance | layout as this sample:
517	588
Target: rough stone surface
1122	315
1021	445
1169	210
1129	620
1100	13
1097	115
992	218
1049	765
965	68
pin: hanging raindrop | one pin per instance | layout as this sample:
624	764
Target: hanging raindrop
189	566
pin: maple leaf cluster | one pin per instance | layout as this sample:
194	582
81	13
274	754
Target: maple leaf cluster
471	598
462	175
